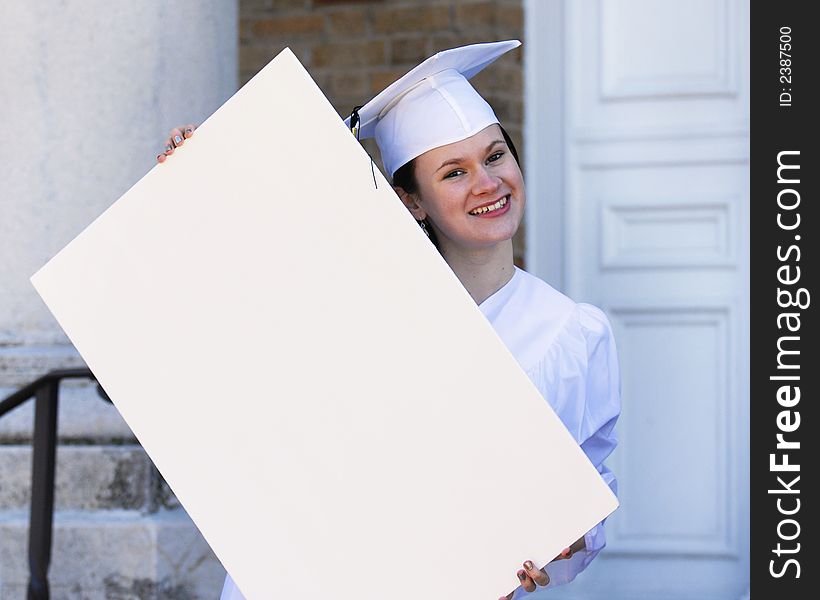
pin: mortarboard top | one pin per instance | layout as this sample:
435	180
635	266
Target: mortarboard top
432	105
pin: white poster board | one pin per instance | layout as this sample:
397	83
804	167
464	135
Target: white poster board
321	393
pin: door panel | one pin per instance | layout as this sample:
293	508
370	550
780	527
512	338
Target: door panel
655	229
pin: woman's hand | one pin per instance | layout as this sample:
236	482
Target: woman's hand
530	577
176	138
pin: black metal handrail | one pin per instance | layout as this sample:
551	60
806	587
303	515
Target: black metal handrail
45	391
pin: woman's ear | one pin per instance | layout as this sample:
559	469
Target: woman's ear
411	202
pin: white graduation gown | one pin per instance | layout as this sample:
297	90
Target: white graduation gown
568	351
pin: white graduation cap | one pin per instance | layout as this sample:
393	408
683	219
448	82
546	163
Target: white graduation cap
431	106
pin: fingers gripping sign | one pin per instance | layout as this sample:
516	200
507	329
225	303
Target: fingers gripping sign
532	578
176	137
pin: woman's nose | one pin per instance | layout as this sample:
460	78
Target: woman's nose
485	182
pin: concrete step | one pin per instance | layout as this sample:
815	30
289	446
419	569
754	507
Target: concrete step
114	555
83	415
20	365
86	478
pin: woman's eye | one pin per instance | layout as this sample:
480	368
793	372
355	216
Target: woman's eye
495	156
452	174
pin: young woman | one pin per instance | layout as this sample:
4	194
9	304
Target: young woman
457	172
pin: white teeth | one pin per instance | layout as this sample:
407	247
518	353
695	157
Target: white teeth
492	207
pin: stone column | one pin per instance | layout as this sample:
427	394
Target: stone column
88	92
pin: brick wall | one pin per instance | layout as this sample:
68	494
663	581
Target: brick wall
353	49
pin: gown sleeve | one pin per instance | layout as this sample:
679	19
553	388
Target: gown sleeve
602	405
230	591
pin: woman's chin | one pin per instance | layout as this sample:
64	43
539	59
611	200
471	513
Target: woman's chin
484	242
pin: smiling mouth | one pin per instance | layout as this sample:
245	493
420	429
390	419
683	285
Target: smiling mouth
492	207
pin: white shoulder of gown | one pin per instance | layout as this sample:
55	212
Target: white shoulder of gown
566	348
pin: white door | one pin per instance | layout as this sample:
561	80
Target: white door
637	173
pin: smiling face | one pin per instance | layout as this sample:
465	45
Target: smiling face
471	192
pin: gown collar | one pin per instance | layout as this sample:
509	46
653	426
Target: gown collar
497	299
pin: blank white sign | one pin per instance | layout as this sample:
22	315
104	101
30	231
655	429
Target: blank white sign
321	393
